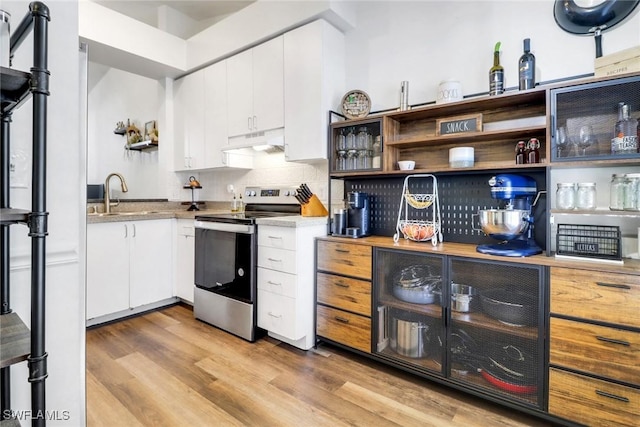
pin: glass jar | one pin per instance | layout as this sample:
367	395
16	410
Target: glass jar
566	196
616	192
631	190
586	195
377	153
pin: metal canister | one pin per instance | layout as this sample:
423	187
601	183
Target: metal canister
631	190
616	192
5	36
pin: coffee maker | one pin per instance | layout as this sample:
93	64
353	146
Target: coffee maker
353	220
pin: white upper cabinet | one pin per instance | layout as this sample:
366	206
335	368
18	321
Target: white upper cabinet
314	74
189	106
255	89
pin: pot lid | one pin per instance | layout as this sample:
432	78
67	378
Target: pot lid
414	276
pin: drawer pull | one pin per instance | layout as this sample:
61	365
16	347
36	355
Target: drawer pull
612	396
613	341
613	285
277	316
275	237
274	260
342	285
341	319
343	251
274	283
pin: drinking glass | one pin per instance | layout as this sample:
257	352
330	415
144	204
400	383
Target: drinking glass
562	141
586	138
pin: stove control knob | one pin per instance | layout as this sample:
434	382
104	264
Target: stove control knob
250	193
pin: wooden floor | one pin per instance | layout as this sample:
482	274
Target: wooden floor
165	368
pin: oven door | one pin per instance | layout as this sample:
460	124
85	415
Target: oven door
225	259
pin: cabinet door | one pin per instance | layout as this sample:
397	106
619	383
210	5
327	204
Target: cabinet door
185	259
268	85
189	125
240	93
107	268
151	261
215	114
314	84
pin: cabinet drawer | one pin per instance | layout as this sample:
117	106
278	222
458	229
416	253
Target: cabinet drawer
278	282
606	297
345	258
599	350
277	259
592	402
279	314
277	237
346	328
346	293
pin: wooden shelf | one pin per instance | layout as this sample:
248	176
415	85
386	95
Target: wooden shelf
141	146
425	363
431	310
481	320
15	88
503	166
13	216
15	339
466	138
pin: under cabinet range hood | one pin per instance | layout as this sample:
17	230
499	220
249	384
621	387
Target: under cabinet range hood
269	141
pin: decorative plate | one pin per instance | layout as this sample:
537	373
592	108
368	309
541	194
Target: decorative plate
356	104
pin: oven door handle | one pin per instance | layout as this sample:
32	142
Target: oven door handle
223	226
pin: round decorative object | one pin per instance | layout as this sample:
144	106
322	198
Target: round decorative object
356	104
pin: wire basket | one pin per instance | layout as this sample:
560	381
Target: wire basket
591	241
419	230
419	201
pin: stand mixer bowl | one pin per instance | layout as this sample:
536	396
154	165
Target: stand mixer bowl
504	224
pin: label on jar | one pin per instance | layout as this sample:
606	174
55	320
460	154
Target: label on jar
624	145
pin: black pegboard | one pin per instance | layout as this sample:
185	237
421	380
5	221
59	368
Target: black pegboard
460	196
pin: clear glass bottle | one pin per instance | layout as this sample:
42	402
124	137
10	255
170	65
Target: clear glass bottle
631	190
586	195
377	153
616	192
533	153
625	140
566	196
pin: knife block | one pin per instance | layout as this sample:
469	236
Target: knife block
314	207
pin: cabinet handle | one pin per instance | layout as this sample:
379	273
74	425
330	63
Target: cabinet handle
613	285
274	283
342	285
612	396
341	319
277	316
249	124
126	231
274	260
613	341
255	123
342	251
134	230
275	237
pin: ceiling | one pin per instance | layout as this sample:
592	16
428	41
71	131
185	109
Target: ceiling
204	12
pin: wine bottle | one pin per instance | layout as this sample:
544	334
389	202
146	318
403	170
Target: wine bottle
527	68
625	140
496	73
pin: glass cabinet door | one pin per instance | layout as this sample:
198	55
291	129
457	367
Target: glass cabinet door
494	339
356	146
585	123
409	323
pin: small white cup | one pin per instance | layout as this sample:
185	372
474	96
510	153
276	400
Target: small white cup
406	165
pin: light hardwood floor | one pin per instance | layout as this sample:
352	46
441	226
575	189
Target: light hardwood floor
165	368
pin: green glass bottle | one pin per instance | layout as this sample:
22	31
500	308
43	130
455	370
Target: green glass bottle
496	73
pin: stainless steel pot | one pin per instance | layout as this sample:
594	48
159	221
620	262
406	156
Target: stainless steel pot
504	224
411	335
416	285
464	298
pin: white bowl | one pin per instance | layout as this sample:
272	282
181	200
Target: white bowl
406	165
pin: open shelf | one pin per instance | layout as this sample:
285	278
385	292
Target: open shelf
466	138
13	216
481	320
15	88
427	363
15	339
142	145
431	310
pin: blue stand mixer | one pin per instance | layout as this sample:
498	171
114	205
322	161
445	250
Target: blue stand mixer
513	225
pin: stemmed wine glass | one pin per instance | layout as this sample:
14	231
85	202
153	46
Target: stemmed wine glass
562	141
586	138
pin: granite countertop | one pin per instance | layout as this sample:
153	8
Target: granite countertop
139	210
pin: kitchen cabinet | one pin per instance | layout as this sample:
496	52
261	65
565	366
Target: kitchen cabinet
255	89
129	265
314	82
594	354
343	281
285	282
185	259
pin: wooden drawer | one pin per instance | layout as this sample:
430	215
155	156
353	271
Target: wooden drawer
277	237
592	402
278	282
606	297
346	293
345	258
346	328
600	350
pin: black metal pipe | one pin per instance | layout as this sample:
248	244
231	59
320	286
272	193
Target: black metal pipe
22	30
5	294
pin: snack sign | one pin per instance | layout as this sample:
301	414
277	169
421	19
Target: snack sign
459	124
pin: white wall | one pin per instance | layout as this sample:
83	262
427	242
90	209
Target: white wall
65	320
114	96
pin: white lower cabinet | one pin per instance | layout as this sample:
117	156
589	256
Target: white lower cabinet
129	265
185	259
286	281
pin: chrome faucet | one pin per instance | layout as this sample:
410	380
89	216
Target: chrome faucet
107	202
